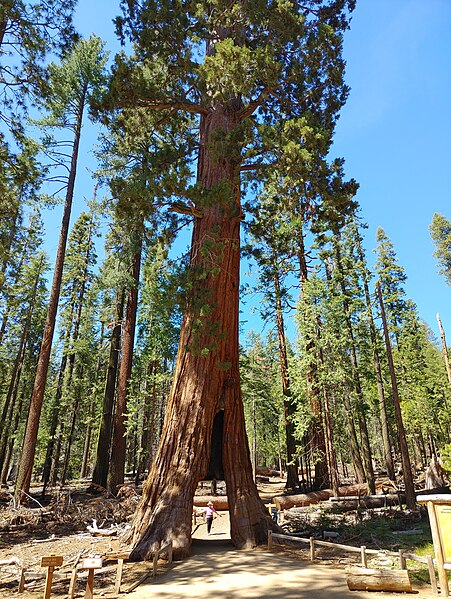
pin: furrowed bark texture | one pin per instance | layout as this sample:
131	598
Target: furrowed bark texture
206	377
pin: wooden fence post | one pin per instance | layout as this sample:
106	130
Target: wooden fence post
21	581
402	560
312	549
432	577
117	586
363	556
73	582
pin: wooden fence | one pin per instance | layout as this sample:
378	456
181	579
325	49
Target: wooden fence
364	552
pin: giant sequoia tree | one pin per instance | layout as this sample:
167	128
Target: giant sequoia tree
246	70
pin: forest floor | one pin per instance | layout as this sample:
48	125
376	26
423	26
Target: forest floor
59	527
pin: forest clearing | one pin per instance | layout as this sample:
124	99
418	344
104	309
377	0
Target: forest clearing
189	312
76	526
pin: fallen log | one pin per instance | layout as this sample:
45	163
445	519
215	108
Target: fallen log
101	532
264	471
219	502
371	579
436	491
366	501
11	561
285	502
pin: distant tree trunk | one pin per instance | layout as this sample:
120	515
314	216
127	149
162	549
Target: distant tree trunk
72	422
361	416
31	431
148	423
352	438
406	465
329	438
10	447
316	438
254	440
100	474
55	416
87	444
11	395
288	407
206	378
387	449
7	311
59	438
445	348
54	422
117	462
9	406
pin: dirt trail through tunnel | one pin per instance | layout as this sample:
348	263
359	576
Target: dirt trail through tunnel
215	568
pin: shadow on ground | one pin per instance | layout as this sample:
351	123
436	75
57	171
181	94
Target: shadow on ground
217	569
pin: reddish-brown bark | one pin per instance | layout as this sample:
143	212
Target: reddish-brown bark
405	458
118	443
206	377
31	431
100	474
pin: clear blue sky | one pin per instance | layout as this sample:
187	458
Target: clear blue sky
394	132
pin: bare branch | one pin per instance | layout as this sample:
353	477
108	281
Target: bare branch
185	105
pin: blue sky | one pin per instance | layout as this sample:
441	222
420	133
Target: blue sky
394	132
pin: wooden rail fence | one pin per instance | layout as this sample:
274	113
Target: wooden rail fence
364	552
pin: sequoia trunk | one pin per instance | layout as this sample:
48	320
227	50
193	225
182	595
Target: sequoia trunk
206	377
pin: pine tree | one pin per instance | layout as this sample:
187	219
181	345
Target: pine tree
440	229
113	279
261	396
273	267
392	277
29	32
79	263
30	289
383	412
73	82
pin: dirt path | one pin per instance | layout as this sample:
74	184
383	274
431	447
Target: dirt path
217	569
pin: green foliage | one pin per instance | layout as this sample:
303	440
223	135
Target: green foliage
446	456
29	32
73	82
262	398
391	277
440	229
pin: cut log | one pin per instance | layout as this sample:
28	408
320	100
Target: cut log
264	471
371	579
220	503
285	502
436	491
366	501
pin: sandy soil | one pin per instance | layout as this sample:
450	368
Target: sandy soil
215	567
